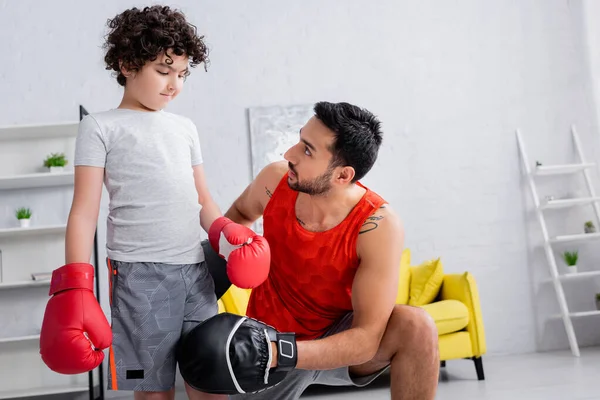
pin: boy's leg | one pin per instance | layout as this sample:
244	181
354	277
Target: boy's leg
147	311
170	395
200	304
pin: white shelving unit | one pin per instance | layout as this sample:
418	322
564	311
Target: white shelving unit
579	237
20	339
23	284
34	230
566	203
36	392
23	251
557	279
562	169
36	180
36	131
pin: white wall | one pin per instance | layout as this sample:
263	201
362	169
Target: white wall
591	45
590	25
450	80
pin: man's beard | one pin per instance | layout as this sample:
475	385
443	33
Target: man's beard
317	186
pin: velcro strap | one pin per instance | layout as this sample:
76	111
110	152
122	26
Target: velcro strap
287	354
72	276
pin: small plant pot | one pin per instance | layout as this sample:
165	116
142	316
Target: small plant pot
589	229
598	304
24	223
56	169
571	269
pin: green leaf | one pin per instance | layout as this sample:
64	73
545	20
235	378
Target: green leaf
570	257
55	160
23	213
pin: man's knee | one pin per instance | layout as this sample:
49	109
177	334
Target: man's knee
414	326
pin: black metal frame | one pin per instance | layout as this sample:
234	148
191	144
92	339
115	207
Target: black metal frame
82	113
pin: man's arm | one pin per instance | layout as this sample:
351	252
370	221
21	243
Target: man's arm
252	202
210	210
374	292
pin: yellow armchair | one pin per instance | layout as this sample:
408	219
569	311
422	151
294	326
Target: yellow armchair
234	300
455	311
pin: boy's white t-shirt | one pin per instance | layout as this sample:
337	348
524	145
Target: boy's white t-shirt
148	158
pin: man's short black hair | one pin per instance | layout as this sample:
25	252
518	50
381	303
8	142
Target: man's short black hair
357	135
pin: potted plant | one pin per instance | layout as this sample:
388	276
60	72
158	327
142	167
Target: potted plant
55	162
24	216
570	258
538	164
589	227
598	301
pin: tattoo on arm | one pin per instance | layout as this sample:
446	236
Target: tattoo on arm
370	224
268	192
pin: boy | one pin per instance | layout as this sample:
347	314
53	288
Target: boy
151	163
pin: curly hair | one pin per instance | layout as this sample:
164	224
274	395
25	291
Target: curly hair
138	36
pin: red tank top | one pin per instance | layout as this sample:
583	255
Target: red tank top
310	282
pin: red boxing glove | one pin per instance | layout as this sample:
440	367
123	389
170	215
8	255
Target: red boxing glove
72	316
248	255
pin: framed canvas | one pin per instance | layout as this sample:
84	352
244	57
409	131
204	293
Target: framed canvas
273	130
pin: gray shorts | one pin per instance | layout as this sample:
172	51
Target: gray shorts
298	380
152	305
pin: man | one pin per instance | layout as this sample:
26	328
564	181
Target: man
335	256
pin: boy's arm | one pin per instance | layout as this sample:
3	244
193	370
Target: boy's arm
247	254
83	216
250	205
374	292
210	210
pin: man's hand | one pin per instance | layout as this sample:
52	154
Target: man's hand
274	350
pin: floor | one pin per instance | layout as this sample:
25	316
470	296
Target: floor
541	376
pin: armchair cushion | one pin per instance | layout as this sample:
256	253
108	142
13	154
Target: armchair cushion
426	281
449	315
462	287
235	300
404	279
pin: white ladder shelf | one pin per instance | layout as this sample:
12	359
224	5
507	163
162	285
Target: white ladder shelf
582	167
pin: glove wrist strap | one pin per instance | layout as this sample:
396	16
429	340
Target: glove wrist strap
72	276
287	354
